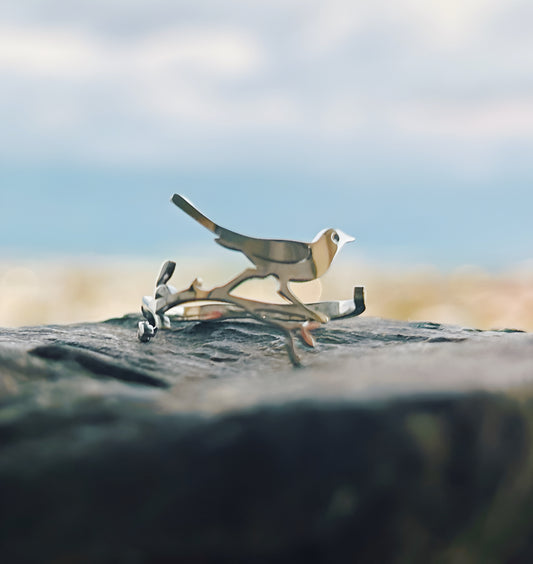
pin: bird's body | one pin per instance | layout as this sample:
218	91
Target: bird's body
288	261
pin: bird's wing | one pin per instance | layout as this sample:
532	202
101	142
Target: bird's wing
270	250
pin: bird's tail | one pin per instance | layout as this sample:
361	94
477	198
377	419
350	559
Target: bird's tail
189	209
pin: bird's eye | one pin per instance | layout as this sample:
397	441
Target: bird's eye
335	237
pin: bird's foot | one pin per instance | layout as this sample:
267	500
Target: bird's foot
285	292
320	317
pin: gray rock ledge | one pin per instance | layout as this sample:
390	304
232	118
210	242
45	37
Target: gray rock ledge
397	442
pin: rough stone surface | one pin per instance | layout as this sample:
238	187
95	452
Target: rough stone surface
397	442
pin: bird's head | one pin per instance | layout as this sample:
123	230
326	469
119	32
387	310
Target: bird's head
326	245
335	239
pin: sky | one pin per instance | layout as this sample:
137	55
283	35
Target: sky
408	125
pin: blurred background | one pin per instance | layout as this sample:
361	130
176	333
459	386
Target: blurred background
408	125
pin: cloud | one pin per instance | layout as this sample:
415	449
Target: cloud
43	53
219	52
139	80
61	52
493	119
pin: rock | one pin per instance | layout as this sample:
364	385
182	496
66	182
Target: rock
398	442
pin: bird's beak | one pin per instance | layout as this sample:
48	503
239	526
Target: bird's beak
344	238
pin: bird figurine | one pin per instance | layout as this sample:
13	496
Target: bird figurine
288	261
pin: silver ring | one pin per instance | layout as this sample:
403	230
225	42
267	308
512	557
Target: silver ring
287	261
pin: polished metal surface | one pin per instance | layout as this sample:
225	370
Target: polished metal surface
220	311
287	261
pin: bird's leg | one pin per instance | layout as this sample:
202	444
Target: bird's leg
285	292
223	293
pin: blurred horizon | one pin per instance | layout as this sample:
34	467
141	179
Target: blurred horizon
89	289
